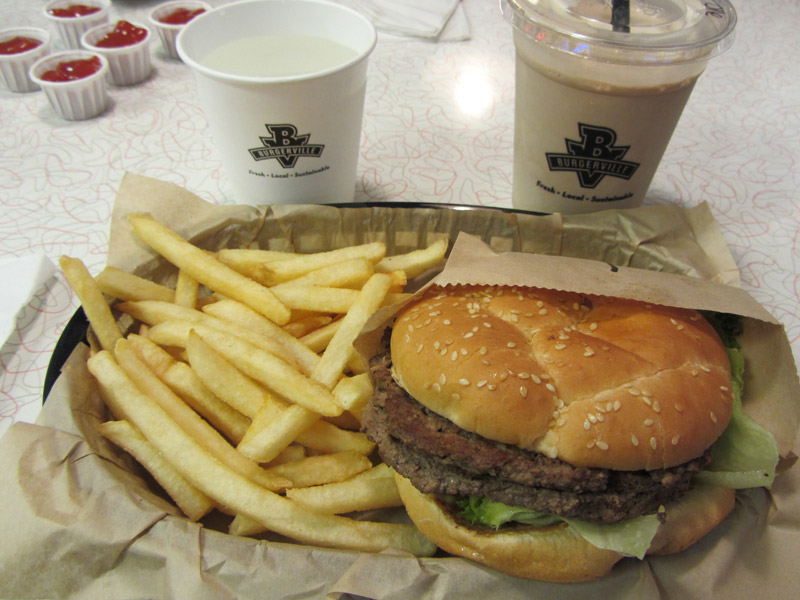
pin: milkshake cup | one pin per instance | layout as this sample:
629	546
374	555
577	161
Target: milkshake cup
597	98
283	86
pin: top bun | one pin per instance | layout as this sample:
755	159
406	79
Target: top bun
595	381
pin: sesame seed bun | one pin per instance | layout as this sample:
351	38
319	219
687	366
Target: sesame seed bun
555	553
591	380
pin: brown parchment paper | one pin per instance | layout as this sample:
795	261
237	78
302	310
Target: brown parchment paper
78	519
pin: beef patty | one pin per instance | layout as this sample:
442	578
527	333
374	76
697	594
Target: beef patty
439	457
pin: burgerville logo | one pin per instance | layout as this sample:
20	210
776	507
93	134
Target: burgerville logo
286	146
593	157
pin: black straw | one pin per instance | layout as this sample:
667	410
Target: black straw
621	15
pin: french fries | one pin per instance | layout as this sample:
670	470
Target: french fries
239	389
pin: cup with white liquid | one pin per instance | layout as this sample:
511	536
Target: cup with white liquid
597	98
282	85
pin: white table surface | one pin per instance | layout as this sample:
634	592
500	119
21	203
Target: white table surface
438	127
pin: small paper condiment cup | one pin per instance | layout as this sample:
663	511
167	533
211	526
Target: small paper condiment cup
14	67
167	32
72	28
128	65
73	100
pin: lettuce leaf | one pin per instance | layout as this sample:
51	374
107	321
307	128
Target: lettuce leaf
631	537
746	454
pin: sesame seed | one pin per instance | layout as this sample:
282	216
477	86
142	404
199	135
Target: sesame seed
713	417
602	445
419	348
543	311
656	406
588	352
464	352
617	405
675	440
550	387
724	388
536	379
576	306
463	381
539	303
437	345
634	440
523	375
593	326
485	324
483	350
523	391
481	383
511	345
600	417
455	397
653	443
591	444
447	321
560	346
592	418
633	391
437	387
587	425
705	369
561	422
679	407
468	335
491	386
648	422
454	355
443	379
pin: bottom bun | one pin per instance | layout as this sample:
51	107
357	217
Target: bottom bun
555	553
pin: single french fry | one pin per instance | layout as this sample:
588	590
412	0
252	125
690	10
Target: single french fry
323	436
280	271
325	468
318	339
353	393
192	502
186	289
158	313
307	325
261	327
226	381
273	429
94	303
352	273
147	381
186	383
368	490
316	298
125	286
271	371
415	262
206	269
289	454
248	261
238	494
331	366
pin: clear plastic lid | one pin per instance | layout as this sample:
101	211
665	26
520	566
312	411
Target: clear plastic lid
640	31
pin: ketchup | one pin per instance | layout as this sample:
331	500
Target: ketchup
71	70
181	16
124	34
18	45
73	10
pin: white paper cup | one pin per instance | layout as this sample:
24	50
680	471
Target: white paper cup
128	65
14	67
290	138
73	100
168	32
72	28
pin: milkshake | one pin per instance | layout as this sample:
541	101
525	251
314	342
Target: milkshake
595	108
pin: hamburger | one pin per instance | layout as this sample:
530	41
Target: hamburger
528	427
